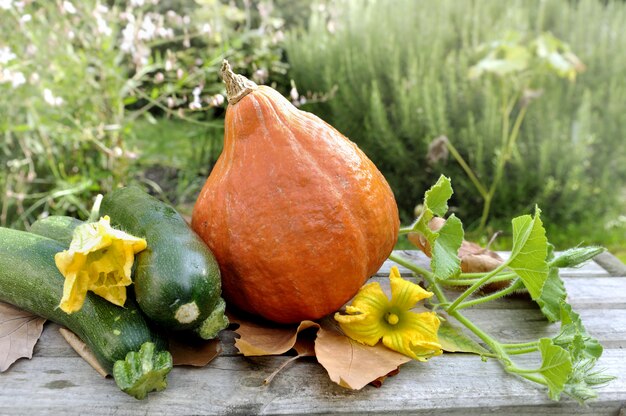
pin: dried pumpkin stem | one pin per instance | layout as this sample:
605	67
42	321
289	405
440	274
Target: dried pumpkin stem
237	86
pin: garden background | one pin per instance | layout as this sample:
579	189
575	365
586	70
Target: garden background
519	102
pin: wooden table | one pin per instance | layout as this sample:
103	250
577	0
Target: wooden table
57	381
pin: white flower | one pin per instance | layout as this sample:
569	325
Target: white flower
206	29
26	18
166	33
68	7
103	27
6	4
147	30
128	38
196	91
137	3
100	8
16	78
51	99
216	100
6	55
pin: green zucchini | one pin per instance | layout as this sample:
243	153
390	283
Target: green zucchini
56	227
177	279
119	337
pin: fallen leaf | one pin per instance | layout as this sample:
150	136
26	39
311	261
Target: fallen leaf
453	339
476	259
304	347
19	332
262	339
351	364
380	380
193	352
83	350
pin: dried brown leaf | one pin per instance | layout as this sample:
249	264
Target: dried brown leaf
193	352
351	364
19	332
83	350
262	339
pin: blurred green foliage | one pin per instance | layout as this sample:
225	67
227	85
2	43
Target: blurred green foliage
102	94
402	79
82	82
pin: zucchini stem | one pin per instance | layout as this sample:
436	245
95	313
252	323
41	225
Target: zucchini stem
143	371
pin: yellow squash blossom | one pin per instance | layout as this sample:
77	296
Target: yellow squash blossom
373	316
99	259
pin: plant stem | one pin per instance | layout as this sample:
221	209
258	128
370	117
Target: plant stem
470	281
496	295
413	267
495	346
522	351
475	286
470	173
521	345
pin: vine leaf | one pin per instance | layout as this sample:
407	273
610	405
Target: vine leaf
571	327
552	295
453	339
556	367
446	239
529	252
19	332
436	198
446	263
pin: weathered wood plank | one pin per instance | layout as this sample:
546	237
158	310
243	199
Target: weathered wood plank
58	381
451	384
611	264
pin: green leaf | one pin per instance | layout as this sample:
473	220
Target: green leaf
436	198
453	339
529	252
445	261
556	366
552	295
571	327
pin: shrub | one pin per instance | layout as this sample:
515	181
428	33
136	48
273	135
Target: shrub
401	75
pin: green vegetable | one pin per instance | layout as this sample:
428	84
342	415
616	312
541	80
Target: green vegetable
118	337
177	279
57	227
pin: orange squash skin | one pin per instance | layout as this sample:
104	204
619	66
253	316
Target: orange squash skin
295	213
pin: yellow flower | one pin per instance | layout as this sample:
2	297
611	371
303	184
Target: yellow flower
99	259
373	316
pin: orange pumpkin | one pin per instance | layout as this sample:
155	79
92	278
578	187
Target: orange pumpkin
296	215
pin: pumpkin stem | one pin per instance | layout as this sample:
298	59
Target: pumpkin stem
237	86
